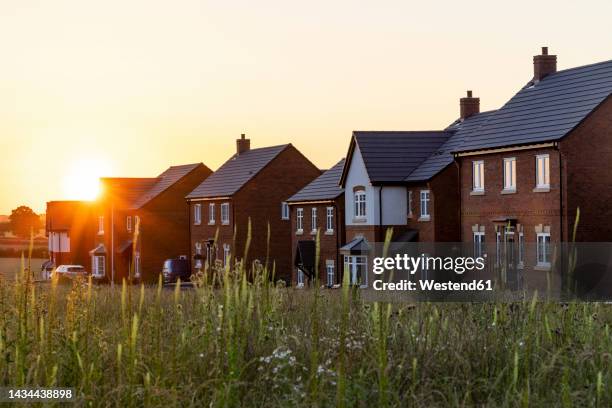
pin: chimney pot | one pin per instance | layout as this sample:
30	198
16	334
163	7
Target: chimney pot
243	144
544	65
468	106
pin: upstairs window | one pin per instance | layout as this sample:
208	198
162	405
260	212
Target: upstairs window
360	203
128	223
197	214
225	219
510	174
543	171
284	211
211	213
329	220
478	176
425	213
299	220
313	219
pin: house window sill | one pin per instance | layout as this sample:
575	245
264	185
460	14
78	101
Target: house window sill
508	191
358	220
197	223
299	286
313	232
477	192
329	232
424	218
100	233
542	267
541	190
299	232
225	223
211	223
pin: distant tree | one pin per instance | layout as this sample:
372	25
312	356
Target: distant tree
23	220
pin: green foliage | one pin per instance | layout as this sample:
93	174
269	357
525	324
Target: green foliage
237	339
23	220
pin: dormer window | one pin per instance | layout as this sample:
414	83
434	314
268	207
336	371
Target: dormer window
360	202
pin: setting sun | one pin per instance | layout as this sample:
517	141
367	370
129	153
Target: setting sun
81	181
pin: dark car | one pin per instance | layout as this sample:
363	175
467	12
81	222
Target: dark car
176	268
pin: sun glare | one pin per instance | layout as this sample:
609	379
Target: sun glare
81	182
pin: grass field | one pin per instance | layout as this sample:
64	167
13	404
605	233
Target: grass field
234	343
9	267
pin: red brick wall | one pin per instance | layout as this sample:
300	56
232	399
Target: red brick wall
74	217
587	157
329	243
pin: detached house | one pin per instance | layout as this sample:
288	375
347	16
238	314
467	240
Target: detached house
254	185
153	207
532	163
318	207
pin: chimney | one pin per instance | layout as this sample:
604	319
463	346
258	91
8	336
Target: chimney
544	65
468	106
243	144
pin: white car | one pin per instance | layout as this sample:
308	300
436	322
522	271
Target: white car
70	271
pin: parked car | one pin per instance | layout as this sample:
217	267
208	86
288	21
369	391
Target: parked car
46	269
176	268
69	272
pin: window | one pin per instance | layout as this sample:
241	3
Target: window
225	214
197	214
479	244
356	267
331	275
198	252
543	249
521	249
478	175
360	204
329	220
510	174
542	171
128	223
99	265
226	255
284	211
300	278
410	204
313	219
425	204
211	213
299	220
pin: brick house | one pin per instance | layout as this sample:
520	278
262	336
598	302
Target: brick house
251	185
158	207
70	232
532	163
318	206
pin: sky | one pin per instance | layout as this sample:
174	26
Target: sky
129	87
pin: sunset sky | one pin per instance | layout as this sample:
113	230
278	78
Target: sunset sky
127	88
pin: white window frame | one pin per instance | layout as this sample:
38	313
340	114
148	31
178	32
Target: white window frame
479	243
360	206
284	210
521	249
128	223
211	214
226	255
425	203
478	183
351	264
410	204
542	252
313	220
98	260
330	270
510	174
542	171
197	214
101	225
329	220
225	218
299	220
301	278
198	251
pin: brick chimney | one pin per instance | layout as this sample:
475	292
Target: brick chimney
468	106
243	144
544	65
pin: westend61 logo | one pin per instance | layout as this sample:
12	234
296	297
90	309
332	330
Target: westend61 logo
429	264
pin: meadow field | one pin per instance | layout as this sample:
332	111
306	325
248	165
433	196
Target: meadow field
9	267
234	342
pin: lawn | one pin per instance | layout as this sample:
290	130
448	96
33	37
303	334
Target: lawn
235	343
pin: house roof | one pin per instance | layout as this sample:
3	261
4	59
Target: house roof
545	111
390	156
443	156
164	181
126	191
324	187
236	172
